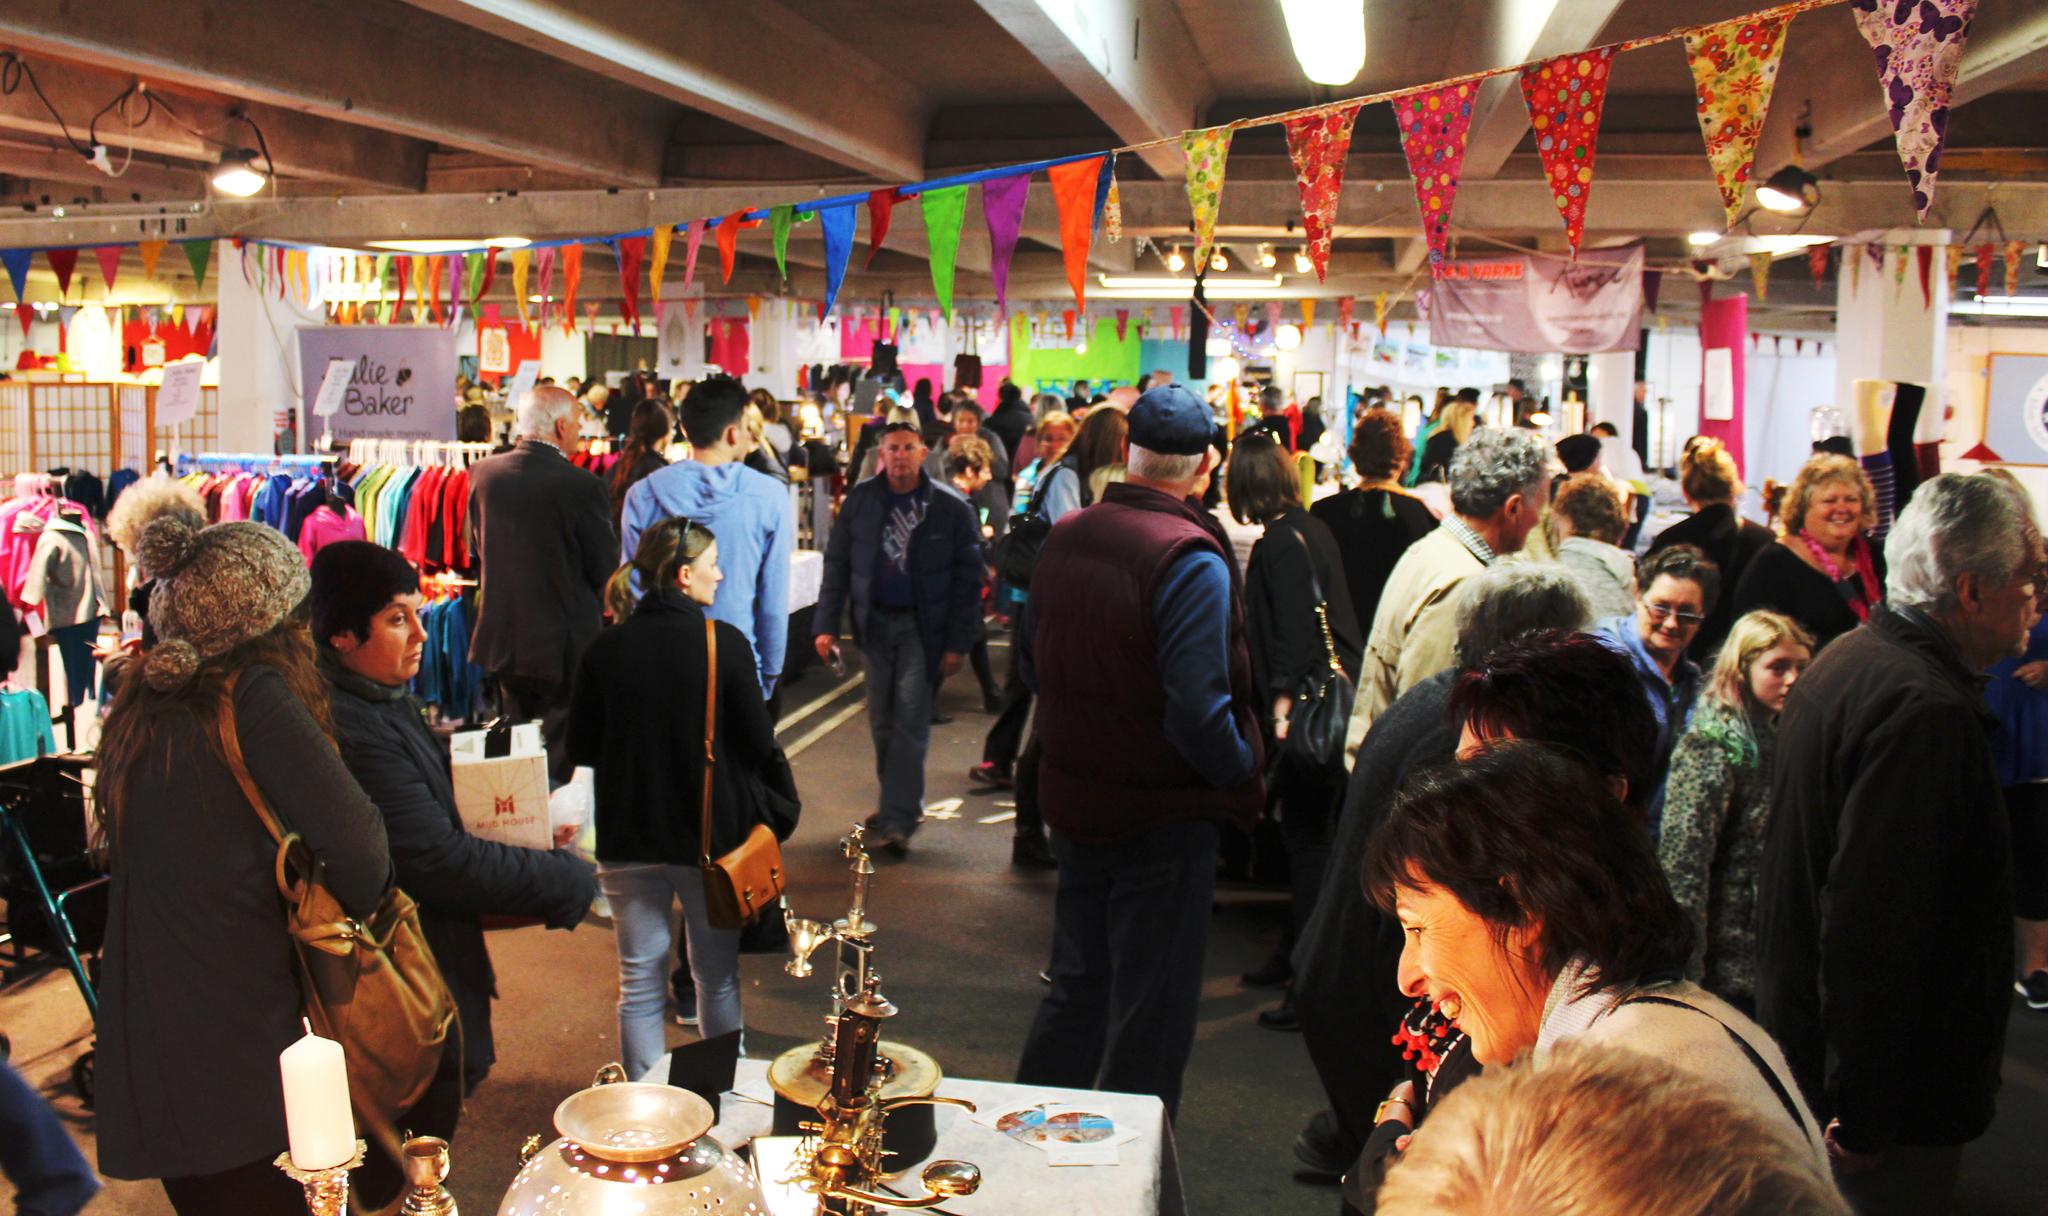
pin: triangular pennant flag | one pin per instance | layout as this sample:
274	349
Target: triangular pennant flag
1177	315
693	236
1918	49
63	261
1925	255
544	265
109	258
1985	253
1123	322
472	277
631	251
1777	345
150	251
1798	346
1565	96
1347	306
1074	189
24	313
1113	212
1434	127
1898	267
1734	65
657	265
1760	274
1817	263
403	273
1951	264
16	261
1379	313
754	308
522	265
1982	454
781	218
437	271
1272	314
728	237
1105	181
197	255
1318	144
1308	313
1854	265
1206	151
2013	249
880	204
1067	319
943	209
1002	208
836	225
572	277
1653	286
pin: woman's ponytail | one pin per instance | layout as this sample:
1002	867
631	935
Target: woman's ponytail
618	593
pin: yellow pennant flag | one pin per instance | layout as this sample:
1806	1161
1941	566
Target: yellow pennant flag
419	289
522	263
657	261
1760	274
1308	313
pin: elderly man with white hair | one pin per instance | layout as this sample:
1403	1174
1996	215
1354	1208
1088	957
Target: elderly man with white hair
542	529
1885	902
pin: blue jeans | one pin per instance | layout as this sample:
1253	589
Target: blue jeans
899	714
1130	928
641	896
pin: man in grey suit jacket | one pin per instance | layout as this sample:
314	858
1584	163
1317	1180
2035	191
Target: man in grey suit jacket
542	529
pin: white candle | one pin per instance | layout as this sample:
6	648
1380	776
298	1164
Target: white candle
317	1117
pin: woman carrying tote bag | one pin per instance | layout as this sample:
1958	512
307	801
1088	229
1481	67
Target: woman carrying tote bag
638	720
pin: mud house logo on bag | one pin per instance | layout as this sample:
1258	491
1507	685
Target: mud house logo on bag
401	382
504	806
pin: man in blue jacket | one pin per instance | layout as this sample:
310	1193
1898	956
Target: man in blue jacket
750	513
906	553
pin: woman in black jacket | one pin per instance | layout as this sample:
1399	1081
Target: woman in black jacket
365	605
1374	523
638	720
1711	483
1296	557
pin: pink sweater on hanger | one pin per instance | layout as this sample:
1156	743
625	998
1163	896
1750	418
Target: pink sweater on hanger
325	526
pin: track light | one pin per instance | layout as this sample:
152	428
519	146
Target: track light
1302	265
1268	259
238	174
1789	189
1175	262
1218	262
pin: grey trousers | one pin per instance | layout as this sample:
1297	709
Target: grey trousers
899	694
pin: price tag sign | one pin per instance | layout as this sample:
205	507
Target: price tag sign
522	383
333	388
178	398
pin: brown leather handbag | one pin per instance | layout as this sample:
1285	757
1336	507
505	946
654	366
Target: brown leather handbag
742	884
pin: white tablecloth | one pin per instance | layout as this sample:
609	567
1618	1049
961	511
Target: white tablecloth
1015	1176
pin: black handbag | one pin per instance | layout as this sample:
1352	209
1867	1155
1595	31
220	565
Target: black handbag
1024	536
1322	698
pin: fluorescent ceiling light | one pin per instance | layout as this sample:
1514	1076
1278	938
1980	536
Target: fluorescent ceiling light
2002	306
1167	287
1778	246
452	245
1328	38
238	174
1702	239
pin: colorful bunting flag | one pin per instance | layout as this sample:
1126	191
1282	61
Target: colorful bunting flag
1379	313
403	268
437	270
1002	208
1817	263
109	258
1067	318
150	251
16	261
1984	254
693	236
63	261
24	313
522	266
1734	66
1899	258
197	255
1123	322
880	204
1565	96
1347	306
1074	187
572	277
1308	313
1925	255
1318	144
728	237
836	224
472	278
2013	249
631	251
1854	265
1918	48
657	265
943	209
1951	264
1206	151
1760	274
1113	213
781	218
1434	126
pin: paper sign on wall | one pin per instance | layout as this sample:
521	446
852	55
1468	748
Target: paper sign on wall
178	398
522	383
494	350
1717	403
333	388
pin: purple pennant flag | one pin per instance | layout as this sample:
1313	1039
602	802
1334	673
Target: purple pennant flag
1918	46
1002	204
1653	284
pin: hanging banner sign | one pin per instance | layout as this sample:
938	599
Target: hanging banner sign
403	383
1525	304
522	383
333	388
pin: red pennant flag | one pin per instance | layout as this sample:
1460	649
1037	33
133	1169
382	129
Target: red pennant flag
1176	314
1924	254
1565	96
109	258
1318	145
1434	126
728	235
880	203
403	264
63	261
1074	187
1985	253
1067	315
1123	321
630	250
1817	262
490	276
1798	346
24	313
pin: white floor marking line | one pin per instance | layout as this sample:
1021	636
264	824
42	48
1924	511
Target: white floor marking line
818	703
1005	817
823	728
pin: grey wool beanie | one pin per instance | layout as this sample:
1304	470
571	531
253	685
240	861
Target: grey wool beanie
216	588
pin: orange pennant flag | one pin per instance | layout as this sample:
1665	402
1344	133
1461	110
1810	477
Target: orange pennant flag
572	275
1074	188
150	251
728	235
1308	313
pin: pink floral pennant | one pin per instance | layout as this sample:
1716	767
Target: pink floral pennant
1434	126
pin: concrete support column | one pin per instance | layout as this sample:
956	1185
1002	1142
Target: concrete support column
259	354
772	348
1885	330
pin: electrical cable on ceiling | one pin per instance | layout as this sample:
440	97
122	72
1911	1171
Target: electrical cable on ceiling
13	69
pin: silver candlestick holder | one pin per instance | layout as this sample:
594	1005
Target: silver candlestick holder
326	1190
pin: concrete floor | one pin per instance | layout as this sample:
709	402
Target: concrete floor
962	939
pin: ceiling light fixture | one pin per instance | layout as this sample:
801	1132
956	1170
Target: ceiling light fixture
1302	264
1218	262
1702	239
238	174
1287	337
1790	189
1328	38
1269	259
1175	261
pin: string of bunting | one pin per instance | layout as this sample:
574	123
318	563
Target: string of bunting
1734	65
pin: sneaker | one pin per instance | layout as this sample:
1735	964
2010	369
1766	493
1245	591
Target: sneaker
988	775
893	844
686	1009
1321	1148
2035	989
941	719
1282	1018
1273	973
1030	852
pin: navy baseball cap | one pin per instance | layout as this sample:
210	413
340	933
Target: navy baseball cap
1171	421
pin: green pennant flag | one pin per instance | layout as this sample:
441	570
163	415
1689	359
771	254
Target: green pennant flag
943	210
386	307
198	253
781	218
473	272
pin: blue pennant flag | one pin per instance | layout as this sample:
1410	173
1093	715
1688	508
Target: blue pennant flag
838	233
1102	185
16	261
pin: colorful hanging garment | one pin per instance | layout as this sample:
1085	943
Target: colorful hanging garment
1075	186
1318	144
1002	208
1919	46
1565	96
1434	127
880	204
1734	66
1206	151
944	209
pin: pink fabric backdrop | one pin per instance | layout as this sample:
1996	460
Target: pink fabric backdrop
1725	323
857	341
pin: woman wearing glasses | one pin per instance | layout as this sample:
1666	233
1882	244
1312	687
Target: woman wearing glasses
638	719
1674	587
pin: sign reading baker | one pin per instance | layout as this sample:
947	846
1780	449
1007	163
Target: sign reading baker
1526	304
402	385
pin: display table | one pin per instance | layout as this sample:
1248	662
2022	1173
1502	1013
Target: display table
1015	1176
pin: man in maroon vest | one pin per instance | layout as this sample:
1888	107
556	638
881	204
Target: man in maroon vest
1135	643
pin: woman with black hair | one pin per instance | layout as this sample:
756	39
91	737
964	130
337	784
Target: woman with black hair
646	443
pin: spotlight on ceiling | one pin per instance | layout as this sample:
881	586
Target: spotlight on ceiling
1218	262
1302	264
1328	38
1287	337
1789	189
1269	259
1702	239
1175	261
238	174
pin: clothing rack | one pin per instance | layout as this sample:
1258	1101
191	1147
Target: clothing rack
418	453
246	462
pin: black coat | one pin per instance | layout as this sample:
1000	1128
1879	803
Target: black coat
542	529
1780	580
1280	607
456	878
1372	528
1730	542
638	720
1884	913
947	573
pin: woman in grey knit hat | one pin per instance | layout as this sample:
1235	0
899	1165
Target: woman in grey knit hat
199	992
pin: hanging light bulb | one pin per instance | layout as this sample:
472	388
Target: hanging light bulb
1175	262
1328	38
1218	262
238	175
1287	337
1267	258
1302	264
